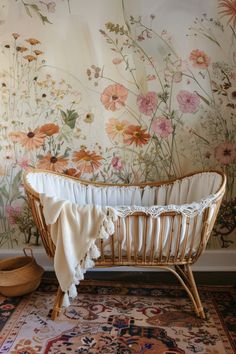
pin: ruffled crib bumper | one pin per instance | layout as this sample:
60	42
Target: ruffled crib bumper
152	224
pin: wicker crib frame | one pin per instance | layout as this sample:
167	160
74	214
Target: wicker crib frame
179	263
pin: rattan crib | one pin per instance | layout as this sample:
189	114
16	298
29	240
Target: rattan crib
170	230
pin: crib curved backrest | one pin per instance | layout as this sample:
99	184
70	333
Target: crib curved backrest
170	222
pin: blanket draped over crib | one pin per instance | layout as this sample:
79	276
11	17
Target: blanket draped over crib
80	214
74	229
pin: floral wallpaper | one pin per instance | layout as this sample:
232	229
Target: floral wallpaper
124	94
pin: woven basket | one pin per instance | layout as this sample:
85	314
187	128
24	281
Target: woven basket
19	275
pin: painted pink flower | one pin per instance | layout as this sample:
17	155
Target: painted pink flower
225	153
117	61
147	104
199	59
151	77
23	162
13	214
188	102
162	127
114	97
116	163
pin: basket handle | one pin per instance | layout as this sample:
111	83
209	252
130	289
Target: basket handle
30	250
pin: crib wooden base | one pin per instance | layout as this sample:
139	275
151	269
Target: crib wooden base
182	272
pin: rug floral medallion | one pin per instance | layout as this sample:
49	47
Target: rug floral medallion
106	319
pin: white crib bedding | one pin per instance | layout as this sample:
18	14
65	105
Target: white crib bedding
194	189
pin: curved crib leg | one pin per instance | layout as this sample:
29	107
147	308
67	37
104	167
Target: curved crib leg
186	274
194	291
57	304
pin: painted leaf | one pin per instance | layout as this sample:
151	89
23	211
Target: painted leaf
15	193
37	10
69	117
4	192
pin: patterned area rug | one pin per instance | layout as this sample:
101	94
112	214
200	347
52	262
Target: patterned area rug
119	319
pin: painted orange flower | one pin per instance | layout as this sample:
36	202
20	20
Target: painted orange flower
30	141
135	134
86	161
29	58
15	136
199	59
72	172
21	49
228	9
33	41
115	128
49	129
53	163
114	97
15	35
37	52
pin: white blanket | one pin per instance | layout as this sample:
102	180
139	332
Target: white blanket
74	230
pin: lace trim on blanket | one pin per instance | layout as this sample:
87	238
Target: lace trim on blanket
188	210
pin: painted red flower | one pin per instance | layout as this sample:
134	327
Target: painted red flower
134	134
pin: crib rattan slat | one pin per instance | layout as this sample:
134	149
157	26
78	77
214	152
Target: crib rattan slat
128	238
144	238
135	236
154	231
163	223
209	226
204	228
193	234
177	242
45	230
118	235
168	252
186	235
111	238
